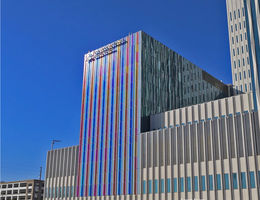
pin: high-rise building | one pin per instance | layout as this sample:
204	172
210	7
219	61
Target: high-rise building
124	83
244	27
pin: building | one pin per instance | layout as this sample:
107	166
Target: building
124	83
244	27
61	173
22	190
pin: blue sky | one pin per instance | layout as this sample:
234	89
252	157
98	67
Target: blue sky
43	43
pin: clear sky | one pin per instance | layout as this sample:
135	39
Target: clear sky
43	43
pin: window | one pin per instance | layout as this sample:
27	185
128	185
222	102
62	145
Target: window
181	185
244	74
232	28
196	183
15	192
249	73
245	37
238	13
243	180
237	39
218	182
162	185
246	87
244	24
238	63
10	185
243	62
236	77
203	183
252	179
232	40
247	60
168	185
240	75
235	64
234	52
237	51
240	27
15	185
3	186
235	180
22	184
242	49
243	11
9	192
246	48
149	186
155	186
144	185
23	191
234	14
188	184
250	86
241	88
226	181
236	27
230	16
210	182
175	185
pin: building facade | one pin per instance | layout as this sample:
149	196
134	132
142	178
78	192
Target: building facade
244	27
123	84
61	173
22	190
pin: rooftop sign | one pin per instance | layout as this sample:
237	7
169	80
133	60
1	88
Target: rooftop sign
106	50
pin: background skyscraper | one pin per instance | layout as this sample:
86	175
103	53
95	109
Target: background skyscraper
243	25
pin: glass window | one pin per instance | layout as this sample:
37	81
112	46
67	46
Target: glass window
168	185
181	185
203	183
226	181
210	182
231	28
243	180
246	87
240	75
243	11
230	16
259	176
245	37
162	185
234	14
243	62
144	187
235	64
249	73
238	13
235	186
244	74
155	186
149	186
175	185
188	184
252	179
242	49
236	77
196	183
218	182
247	60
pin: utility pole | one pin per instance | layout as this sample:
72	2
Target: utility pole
53	142
40	173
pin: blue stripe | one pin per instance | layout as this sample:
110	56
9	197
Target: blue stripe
102	130
85	132
111	128
93	131
131	122
121	123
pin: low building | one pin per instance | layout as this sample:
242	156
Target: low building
22	190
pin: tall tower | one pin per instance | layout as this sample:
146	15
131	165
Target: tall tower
243	25
124	83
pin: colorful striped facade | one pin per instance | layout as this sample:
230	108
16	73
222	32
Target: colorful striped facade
109	120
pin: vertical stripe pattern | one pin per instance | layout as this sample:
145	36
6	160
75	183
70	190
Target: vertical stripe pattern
110	121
